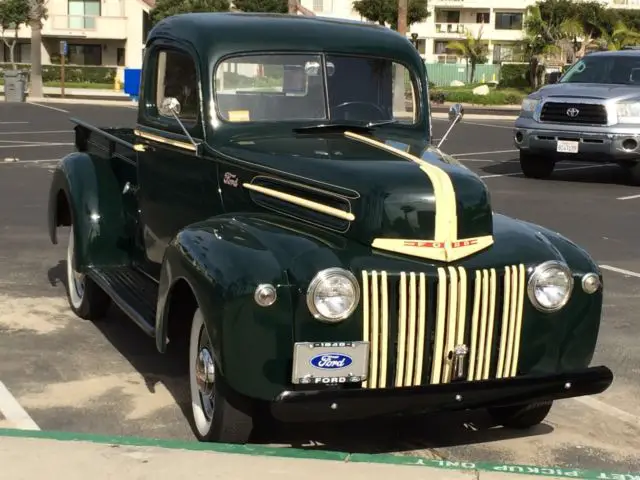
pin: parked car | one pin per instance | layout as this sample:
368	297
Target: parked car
279	209
591	115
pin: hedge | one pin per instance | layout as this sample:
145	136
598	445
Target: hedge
72	73
495	97
514	75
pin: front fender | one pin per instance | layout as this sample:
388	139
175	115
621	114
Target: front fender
85	191
223	260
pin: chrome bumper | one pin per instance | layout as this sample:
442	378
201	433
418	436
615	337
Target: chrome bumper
598	144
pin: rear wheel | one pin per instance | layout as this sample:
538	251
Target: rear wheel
521	416
86	298
215	419
534	166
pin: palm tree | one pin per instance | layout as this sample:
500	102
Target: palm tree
472	49
620	37
37	13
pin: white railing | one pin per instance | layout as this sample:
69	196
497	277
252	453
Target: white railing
87	25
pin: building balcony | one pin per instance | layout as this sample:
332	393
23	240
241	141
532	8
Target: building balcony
85	26
624	4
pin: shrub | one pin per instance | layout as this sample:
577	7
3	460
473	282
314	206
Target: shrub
495	97
513	75
72	73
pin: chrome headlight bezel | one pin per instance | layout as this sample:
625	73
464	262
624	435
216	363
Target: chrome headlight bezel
323	276
535	277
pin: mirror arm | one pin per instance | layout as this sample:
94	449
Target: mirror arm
446	134
193	142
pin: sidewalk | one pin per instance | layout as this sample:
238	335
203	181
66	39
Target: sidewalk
81	94
25	455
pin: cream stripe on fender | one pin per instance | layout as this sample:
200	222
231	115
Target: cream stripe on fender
445	245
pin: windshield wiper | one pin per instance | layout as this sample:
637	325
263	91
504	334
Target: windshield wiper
343	126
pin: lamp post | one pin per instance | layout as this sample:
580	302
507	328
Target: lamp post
414	40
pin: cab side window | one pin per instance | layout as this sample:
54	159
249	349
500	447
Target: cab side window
176	77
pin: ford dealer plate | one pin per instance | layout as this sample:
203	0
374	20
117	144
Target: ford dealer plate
566	146
330	362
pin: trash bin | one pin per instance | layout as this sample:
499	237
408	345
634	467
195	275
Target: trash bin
14	86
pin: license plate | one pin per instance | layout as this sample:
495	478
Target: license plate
566	146
330	362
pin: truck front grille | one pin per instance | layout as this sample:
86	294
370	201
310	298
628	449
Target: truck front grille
579	113
415	323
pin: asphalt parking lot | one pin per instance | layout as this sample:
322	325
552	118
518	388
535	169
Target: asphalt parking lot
106	378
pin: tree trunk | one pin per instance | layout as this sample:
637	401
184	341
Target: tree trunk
12	57
36	90
473	72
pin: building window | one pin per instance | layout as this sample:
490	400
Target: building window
482	17
508	21
440	48
81	54
448	16
318	5
83	13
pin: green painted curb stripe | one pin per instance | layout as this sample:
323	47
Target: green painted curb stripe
284	452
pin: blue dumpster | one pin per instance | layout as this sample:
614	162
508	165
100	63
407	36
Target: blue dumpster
132	82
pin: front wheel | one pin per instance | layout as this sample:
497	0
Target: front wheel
534	166
633	170
215	419
521	416
86	298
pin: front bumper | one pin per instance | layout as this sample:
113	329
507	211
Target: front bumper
598	144
346	404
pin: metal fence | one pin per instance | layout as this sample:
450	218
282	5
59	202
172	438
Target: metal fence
442	74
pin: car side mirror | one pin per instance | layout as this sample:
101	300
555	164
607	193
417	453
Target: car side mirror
456	112
170	107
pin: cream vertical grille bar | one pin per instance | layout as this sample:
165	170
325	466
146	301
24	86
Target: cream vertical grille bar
481	309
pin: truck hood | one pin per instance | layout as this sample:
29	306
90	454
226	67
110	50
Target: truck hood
588	90
398	195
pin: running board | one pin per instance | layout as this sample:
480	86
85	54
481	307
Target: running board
132	291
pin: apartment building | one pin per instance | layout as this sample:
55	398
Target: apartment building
498	23
97	32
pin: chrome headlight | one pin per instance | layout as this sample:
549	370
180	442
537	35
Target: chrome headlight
628	112
529	104
333	295
549	287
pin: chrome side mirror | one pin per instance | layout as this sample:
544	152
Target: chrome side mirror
170	107
456	112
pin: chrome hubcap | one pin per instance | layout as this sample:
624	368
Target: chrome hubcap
205	372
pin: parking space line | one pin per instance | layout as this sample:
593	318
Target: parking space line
610	410
511	127
39	132
556	170
14	412
10	123
482	153
18	162
620	270
33	145
486	160
630	197
49	106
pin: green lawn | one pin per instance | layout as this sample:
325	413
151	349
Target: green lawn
496	96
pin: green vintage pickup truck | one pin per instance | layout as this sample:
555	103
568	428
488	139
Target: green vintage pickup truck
280	212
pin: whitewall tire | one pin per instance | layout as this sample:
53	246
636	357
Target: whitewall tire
86	299
214	418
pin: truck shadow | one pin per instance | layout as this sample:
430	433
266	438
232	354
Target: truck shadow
380	435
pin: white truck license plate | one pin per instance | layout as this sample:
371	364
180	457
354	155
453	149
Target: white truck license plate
330	362
566	146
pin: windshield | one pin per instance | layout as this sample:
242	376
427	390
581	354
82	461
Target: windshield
611	69
275	88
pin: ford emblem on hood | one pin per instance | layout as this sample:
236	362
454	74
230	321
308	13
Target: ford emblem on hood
331	361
